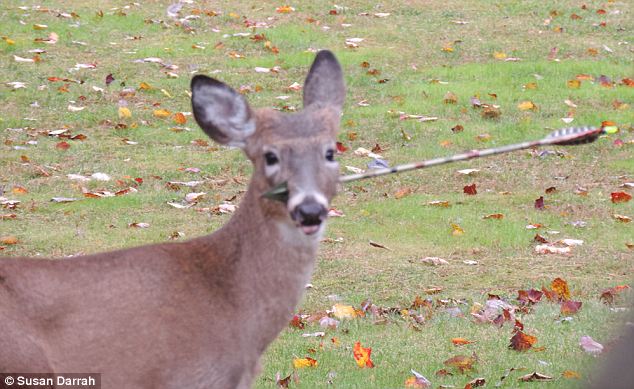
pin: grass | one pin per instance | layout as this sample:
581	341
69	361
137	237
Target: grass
423	53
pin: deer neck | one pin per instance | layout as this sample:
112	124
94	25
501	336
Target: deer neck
274	260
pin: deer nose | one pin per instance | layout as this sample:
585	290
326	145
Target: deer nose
309	215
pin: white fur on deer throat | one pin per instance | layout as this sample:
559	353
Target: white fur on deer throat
294	236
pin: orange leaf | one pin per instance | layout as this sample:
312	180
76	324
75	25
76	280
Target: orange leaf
179	118
522	342
494	216
362	355
9	240
402	193
620	197
560	287
19	190
460	341
284	9
570	374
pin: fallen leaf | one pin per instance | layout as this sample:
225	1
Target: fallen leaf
417	381
539	203
434	261
475	383
460	341
179	118
161	113
534	377
456	230
439	203
470	189
497	216
527	106
62	146
362	355
590	346
569	374
124	113
300	363
574	84
341	311
620	197
284	9
531	296
139	225
522	342
378	245
9	240
560	287
570	307
450	98
461	362
402	193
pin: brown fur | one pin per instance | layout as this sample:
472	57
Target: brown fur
197	314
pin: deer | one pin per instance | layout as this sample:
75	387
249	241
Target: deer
197	313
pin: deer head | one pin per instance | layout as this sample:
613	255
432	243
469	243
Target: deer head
297	149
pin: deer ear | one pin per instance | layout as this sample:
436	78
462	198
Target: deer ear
324	85
221	112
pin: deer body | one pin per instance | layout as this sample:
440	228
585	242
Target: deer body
196	314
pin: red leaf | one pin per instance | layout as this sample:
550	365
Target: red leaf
470	189
539	203
341	148
620	197
62	146
109	79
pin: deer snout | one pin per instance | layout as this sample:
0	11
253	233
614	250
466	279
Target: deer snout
309	215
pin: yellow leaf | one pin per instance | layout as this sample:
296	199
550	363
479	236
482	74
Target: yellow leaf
570	374
124	113
300	363
40	26
448	49
456	230
527	106
499	55
574	84
8	40
161	113
166	93
145	86
530	85
344	311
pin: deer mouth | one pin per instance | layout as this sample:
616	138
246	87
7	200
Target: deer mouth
309	216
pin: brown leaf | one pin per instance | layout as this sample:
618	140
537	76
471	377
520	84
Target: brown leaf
497	216
378	245
535	377
570	307
450	98
531	296
522	342
570	374
461	362
402	193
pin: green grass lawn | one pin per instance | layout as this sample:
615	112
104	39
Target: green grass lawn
569	59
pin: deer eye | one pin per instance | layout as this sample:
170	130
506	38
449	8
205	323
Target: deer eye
271	158
330	155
